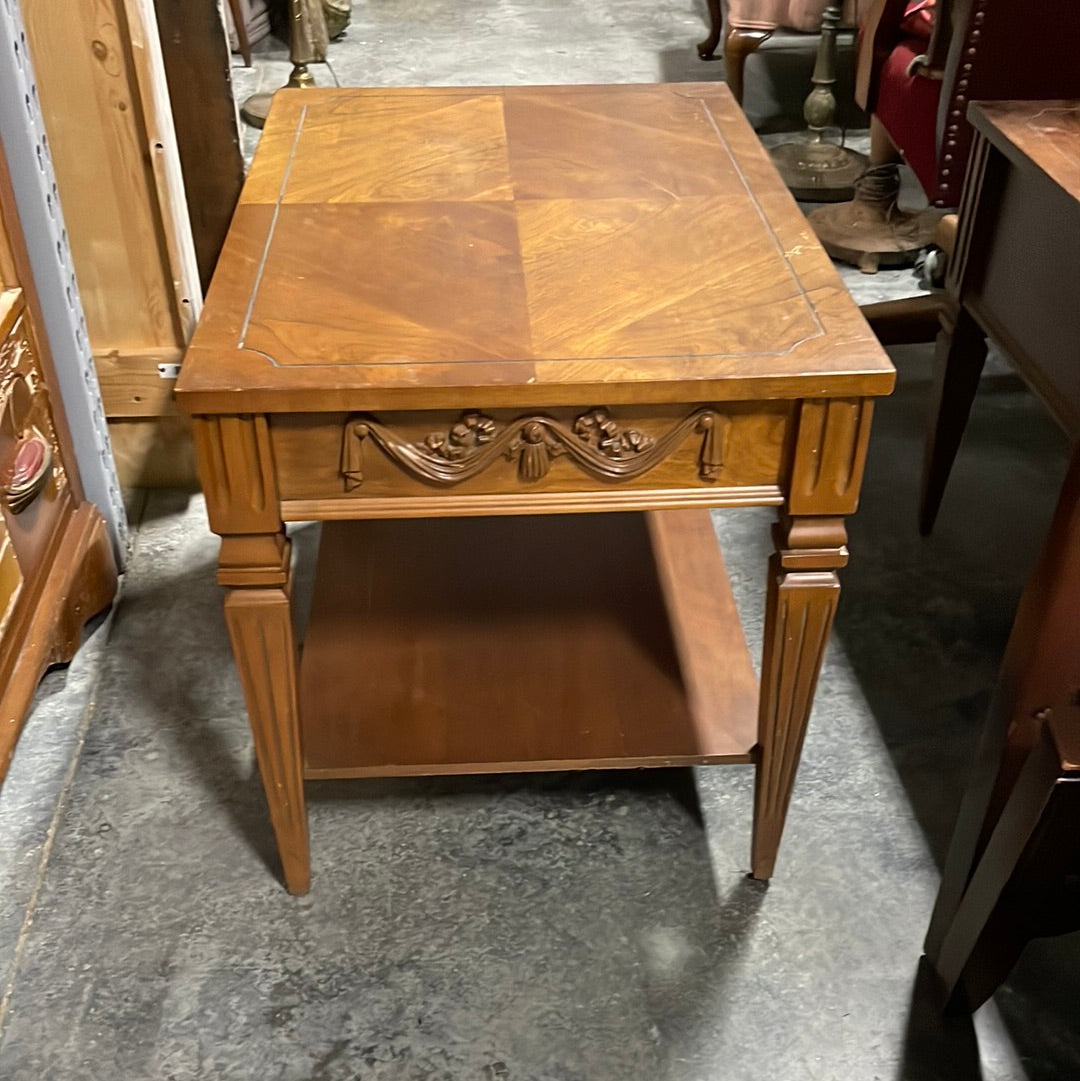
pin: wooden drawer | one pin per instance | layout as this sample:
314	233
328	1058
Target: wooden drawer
340	465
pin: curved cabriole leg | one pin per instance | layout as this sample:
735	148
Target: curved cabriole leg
802	595
738	45
706	48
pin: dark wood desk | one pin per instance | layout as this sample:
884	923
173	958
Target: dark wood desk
1015	275
441	314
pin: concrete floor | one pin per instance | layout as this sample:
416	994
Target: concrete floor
555	928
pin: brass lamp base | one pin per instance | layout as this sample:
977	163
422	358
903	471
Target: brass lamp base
254	111
818	172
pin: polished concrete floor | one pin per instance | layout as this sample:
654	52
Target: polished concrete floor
592	927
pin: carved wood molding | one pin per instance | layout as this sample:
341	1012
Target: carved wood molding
237	473
29	444
595	443
830	452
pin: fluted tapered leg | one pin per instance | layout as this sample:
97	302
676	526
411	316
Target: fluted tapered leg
260	626
800	605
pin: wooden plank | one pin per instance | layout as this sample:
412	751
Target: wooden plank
99	72
717	670
149	69
132	386
515	643
154	453
95	120
197	66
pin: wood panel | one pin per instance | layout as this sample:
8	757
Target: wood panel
97	136
154	453
134	385
197	67
97	66
523	644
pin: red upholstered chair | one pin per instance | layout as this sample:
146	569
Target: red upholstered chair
919	63
752	22
918	82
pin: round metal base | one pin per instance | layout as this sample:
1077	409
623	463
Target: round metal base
870	236
818	172
254	110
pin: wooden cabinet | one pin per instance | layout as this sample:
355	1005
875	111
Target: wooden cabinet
56	562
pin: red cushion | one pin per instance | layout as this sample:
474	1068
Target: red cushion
907	105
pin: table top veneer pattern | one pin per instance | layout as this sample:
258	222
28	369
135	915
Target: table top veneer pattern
447	247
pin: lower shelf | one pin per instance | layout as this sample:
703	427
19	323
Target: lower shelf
489	645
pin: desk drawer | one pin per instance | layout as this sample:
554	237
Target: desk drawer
369	463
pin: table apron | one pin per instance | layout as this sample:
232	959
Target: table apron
506	461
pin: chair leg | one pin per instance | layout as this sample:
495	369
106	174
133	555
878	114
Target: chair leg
241	31
706	48
1015	837
738	45
958	363
1011	896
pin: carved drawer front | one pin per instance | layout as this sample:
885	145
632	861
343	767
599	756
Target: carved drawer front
364	458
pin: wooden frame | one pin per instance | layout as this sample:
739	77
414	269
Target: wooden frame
101	78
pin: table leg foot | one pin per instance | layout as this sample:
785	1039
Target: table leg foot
260	626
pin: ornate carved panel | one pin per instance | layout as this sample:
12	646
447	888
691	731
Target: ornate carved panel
30	459
596	443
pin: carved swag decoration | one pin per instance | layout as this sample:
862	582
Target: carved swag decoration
595	443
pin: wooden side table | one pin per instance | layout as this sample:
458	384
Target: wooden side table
457	324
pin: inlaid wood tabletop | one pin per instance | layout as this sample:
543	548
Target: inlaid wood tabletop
527	242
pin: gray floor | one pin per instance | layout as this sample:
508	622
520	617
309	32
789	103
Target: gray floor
560	928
